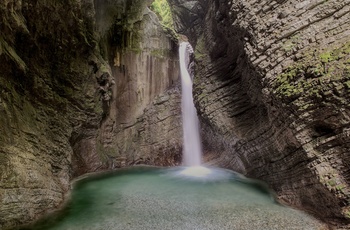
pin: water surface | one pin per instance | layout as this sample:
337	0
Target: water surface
155	198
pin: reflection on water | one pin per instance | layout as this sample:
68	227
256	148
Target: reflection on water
154	198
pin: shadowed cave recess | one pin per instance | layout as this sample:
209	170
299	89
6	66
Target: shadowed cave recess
89	86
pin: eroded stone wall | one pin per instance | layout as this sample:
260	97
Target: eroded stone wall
47	91
141	122
84	86
272	90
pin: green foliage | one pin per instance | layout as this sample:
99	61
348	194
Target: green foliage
313	74
340	187
291	43
160	53
162	9
347	84
347	214
326	57
200	49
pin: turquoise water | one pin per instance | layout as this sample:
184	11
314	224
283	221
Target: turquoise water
153	198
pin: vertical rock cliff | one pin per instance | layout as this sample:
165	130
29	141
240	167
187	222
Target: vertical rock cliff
272	90
84	86
47	90
141	122
88	85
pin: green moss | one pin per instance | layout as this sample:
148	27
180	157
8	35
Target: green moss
135	50
326	57
162	9
160	53
308	76
340	187
104	68
291	43
97	107
287	86
135	40
100	151
332	182
347	84
347	214
109	151
200	53
305	106
105	152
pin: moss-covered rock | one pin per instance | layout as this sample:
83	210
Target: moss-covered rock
273	95
314	74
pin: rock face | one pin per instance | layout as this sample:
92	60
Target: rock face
47	90
84	86
92	84
272	90
141	123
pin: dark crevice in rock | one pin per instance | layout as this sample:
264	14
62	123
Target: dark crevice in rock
323	130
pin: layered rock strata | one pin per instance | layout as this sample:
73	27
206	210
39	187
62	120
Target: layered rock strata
84	86
47	91
272	90
141	123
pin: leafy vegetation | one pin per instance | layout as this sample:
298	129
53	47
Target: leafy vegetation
290	44
162	9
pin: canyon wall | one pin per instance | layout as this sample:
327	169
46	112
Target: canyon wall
272	90
47	91
93	85
141	122
84	86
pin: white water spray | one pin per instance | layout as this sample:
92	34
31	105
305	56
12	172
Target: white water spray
192	151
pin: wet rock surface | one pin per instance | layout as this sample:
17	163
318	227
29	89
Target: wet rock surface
47	91
91	85
141	122
271	89
76	76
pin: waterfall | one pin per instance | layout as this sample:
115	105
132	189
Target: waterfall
192	151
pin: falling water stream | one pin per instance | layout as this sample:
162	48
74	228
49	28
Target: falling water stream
192	153
192	148
188	197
